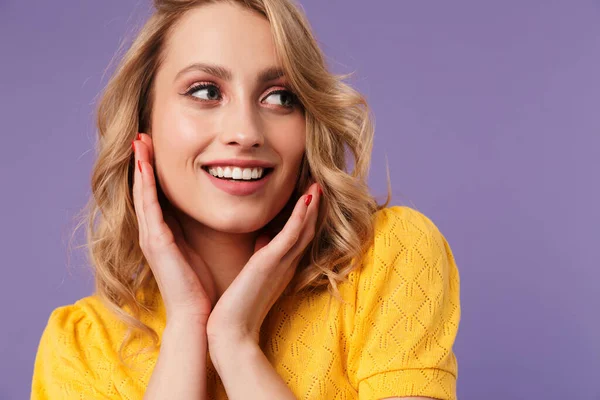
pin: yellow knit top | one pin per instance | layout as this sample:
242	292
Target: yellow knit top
393	336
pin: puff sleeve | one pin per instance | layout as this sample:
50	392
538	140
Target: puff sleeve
62	368
407	311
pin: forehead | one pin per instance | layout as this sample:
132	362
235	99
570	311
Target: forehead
224	34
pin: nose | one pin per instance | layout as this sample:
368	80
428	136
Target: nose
242	127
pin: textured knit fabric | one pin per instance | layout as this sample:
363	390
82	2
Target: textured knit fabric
393	337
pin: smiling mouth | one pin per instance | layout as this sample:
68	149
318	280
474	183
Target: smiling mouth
238	174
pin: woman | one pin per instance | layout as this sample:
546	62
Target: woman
235	256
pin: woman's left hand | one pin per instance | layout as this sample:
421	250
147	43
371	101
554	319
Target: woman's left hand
239	313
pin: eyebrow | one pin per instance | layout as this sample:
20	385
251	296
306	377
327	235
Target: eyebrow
266	75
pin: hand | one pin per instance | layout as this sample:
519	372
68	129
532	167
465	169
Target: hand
161	240
241	310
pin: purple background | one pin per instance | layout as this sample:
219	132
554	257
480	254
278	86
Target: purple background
488	114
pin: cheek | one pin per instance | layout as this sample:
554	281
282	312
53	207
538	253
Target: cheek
178	131
177	136
290	143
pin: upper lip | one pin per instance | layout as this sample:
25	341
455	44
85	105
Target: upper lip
237	162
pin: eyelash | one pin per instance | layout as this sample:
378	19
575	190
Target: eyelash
294	99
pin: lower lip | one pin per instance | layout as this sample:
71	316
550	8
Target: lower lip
238	188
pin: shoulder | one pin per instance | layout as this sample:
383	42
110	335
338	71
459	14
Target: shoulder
410	265
405	220
90	322
79	353
81	316
408	251
407	310
404	234
402	228
72	328
86	331
72	342
76	318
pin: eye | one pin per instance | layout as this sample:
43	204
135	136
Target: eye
210	92
283	98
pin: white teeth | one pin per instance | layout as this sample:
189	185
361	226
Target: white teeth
237	173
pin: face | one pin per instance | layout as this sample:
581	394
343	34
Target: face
221	107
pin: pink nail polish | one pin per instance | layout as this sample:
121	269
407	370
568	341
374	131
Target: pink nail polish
308	199
140	165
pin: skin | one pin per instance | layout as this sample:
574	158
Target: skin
217	272
246	123
218	275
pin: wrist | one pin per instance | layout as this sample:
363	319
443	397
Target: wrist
230	340
237	352
186	323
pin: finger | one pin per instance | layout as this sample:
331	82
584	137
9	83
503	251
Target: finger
308	228
178	283
143	154
137	189
291	232
158	229
172	221
174	224
147	140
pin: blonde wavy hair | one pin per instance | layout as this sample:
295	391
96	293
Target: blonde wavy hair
338	122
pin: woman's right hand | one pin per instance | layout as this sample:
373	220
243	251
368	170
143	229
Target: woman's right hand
163	244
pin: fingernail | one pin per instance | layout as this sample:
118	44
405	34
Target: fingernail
133	145
140	165
139	136
320	190
308	199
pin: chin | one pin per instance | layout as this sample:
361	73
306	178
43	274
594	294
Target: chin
233	214
236	219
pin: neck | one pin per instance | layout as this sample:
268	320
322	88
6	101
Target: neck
216	257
